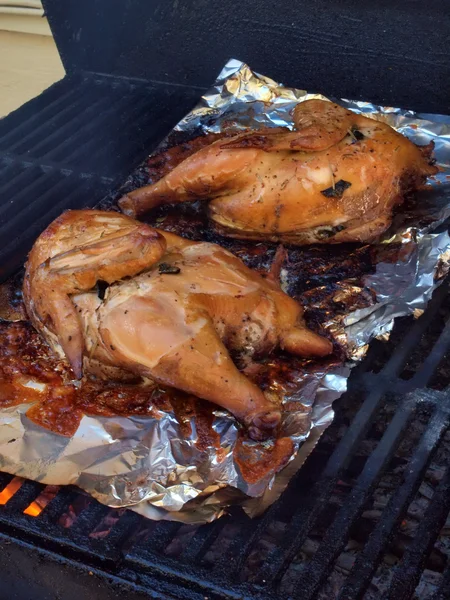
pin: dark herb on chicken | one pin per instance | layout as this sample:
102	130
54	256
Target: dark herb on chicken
357	134
337	191
328	232
166	269
101	288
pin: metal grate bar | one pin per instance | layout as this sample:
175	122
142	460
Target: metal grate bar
34	208
443	593
8	169
316	500
19	176
55	508
67	147
70	149
120	532
367	561
412	338
233	558
203	538
106	149
40	117
195	581
64	129
336	536
89	518
56	120
5	478
41	213
109	157
28	492
407	573
432	361
160	535
147	140
39	184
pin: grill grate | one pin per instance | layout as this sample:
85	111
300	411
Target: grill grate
224	559
340	529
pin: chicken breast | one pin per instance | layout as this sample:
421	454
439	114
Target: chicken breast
174	312
336	178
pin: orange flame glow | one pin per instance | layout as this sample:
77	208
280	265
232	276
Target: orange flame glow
8	492
38	505
33	510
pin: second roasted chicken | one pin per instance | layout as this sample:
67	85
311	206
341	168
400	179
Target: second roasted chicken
173	312
336	178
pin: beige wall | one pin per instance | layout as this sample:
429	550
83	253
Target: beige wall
29	60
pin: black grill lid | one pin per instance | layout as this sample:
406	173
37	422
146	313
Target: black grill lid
393	53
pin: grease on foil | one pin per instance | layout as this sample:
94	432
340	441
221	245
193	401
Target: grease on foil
146	463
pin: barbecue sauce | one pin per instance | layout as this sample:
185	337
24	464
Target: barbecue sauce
255	460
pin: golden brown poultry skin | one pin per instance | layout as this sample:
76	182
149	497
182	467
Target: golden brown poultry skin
336	178
75	251
176	310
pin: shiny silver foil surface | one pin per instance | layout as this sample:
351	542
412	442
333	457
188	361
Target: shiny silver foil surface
147	464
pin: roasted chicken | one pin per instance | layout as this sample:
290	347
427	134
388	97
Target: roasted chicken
172	311
335	178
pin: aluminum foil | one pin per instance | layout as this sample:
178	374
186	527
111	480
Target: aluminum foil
146	463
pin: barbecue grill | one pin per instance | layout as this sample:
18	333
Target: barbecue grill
368	514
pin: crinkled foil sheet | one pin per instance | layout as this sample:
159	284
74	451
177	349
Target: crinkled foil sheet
147	464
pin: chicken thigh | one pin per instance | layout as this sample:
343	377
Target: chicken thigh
335	178
176	310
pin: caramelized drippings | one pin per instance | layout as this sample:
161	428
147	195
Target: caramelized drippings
24	356
63	407
12	307
59	404
192	413
57	411
9	394
255	461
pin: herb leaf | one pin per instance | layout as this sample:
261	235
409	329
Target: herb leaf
337	191
358	135
328	232
166	269
101	288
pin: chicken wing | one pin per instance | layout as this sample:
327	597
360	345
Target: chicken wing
74	252
335	178
174	312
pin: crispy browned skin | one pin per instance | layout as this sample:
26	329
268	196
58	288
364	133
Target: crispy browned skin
78	249
175	322
336	178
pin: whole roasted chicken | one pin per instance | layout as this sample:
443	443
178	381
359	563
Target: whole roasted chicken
336	178
172	312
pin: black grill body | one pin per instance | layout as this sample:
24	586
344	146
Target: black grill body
71	145
367	516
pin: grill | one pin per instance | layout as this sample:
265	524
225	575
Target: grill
70	145
368	515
